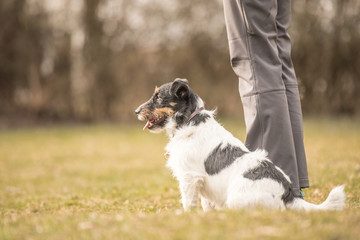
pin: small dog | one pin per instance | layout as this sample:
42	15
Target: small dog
208	161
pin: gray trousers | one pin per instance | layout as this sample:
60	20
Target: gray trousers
260	50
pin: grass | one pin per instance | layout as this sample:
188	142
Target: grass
110	182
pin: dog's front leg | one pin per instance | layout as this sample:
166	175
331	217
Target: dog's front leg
206	204
190	186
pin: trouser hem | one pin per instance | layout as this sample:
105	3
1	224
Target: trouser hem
304	183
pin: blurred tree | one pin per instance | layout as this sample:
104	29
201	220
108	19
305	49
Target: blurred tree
343	83
326	54
22	38
10	30
97	62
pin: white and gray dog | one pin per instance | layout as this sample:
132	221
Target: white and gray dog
209	162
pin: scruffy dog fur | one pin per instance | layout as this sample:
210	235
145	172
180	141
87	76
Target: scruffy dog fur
209	162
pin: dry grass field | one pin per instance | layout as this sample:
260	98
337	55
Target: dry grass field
110	182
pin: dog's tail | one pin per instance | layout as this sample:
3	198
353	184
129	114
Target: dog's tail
335	201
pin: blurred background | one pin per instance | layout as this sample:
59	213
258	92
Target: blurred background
97	60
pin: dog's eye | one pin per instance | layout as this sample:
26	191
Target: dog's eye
157	98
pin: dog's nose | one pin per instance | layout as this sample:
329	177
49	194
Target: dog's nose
137	111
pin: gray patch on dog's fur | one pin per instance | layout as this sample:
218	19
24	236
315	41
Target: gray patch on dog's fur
267	169
199	118
221	158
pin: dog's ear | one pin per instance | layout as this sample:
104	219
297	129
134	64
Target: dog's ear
180	88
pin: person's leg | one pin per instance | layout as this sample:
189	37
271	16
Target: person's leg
252	35
291	85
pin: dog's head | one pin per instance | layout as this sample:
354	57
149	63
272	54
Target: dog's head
169	107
